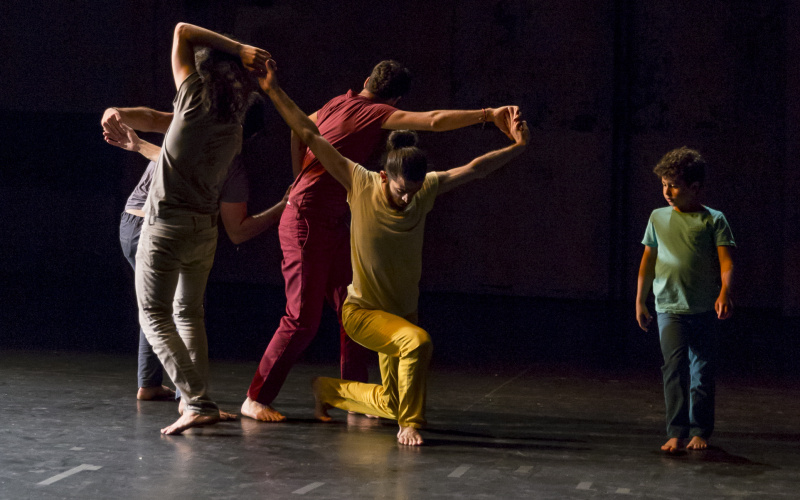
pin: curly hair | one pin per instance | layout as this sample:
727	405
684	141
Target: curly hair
389	79
227	85
682	163
403	158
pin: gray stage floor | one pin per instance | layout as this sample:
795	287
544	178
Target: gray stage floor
71	428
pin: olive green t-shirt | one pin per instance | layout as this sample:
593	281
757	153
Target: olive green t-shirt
386	244
194	159
687	279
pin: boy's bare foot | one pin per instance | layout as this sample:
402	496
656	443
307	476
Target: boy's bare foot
671	446
257	411
188	420
159	393
409	436
697	443
320	407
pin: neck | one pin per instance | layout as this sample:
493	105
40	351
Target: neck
695	207
372	97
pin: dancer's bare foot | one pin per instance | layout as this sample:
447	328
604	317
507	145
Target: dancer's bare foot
188	420
409	436
257	411
671	446
320	407
225	416
697	443
159	393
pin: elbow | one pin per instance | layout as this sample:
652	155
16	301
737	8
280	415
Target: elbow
236	238
180	30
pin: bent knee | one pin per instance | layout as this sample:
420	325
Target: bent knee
417	340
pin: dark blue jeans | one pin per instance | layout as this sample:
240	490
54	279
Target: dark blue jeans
689	347
150	372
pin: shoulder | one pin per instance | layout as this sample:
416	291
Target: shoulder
715	214
362	178
191	82
660	213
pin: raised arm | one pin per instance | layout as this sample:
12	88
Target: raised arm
723	305
337	165
451	119
647	272
188	36
484	165
299	149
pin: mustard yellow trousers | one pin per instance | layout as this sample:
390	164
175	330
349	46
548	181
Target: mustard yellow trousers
404	351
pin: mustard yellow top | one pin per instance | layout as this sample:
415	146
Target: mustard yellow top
386	244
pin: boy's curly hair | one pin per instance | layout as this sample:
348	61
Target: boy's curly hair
682	163
389	79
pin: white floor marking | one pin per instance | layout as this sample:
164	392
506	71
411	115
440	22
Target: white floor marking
459	471
624	491
305	489
75	448
524	469
74	470
489	394
584	485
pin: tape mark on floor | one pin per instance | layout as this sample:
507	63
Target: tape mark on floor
490	393
459	471
74	470
305	489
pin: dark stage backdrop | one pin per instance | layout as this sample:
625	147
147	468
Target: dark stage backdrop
537	262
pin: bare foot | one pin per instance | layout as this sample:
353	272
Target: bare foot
188	420
697	443
671	446
320	407
257	411
225	416
409	436
160	393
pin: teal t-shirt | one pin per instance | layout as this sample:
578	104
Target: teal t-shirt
687	279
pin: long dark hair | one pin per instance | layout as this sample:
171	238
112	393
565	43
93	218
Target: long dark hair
403	158
227	85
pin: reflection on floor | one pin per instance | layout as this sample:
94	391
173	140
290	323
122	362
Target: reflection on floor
71	427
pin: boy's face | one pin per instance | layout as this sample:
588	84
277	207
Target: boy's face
680	196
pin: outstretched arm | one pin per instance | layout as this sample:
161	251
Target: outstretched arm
337	165
647	272
451	119
188	36
723	305
483	165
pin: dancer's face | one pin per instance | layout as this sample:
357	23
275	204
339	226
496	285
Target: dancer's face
398	190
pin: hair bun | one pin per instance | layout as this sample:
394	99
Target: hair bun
399	139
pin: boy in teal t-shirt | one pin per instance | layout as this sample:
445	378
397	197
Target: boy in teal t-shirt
689	264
